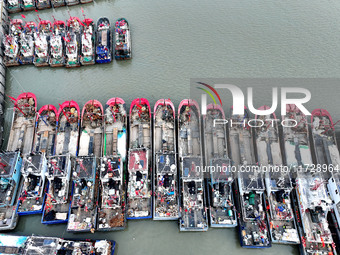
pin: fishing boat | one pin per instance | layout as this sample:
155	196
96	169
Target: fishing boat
280	209
166	203
71	2
45	130
57	44
103	49
194	215
112	205
11	43
58	174
314	205
11	50
10	165
88	43
72	50
324	141
222	211
279	204
91	131
28	5
43	4
42	49
27	43
253	228
297	152
14	6
23	123
58	3
32	192
67	129
122	39
139	197
83	208
115	125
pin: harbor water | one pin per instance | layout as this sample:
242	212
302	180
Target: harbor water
266	43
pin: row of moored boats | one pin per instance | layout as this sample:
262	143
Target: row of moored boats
14	6
35	245
70	44
173	167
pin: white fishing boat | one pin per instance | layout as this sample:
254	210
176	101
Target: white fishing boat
166	199
193	210
222	211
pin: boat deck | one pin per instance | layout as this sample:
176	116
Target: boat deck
111	215
21	135
166	202
139	185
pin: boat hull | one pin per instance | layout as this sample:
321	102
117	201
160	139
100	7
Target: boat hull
86	61
11	62
58	3
39	62
71	2
14	9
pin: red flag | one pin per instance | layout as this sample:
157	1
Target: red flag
23	16
82	10
81	23
66	39
36	10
